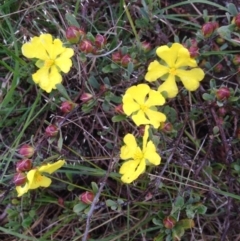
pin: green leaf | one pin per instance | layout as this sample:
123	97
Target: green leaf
93	82
208	97
118	118
215	130
79	207
179	202
107	69
110	203
71	19
63	91
232	9
185	223
130	68
94	187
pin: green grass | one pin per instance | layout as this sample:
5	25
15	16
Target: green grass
198	179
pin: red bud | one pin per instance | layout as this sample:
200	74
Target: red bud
209	28
86	46
236	20
51	131
166	127
146	46
19	179
116	57
74	34
87	197
236	59
100	41
67	106
169	222
218	68
86	97
119	109
26	151
126	59
223	93
24	165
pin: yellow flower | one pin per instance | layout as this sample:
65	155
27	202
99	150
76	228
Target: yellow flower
52	59
140	101
35	178
177	59
137	158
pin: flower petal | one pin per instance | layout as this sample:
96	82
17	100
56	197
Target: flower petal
169	55
184	59
169	85
155	98
140	118
191	78
130	147
32	177
151	155
34	49
129	105
50	168
155	117
139	92
131	170
64	63
22	190
155	71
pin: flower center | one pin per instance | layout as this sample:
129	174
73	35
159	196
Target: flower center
172	71
38	177
143	108
138	155
48	63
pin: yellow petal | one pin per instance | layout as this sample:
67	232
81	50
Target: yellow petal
184	59
138	92
155	98
130	147
22	190
129	105
64	63
151	155
169	55
131	170
50	168
55	48
191	78
169	85
155	117
41	75
155	71
34	49
39	181
140	118
32	177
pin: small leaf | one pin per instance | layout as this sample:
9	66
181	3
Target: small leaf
186	223
107	69
93	82
232	9
94	187
118	118
215	130
207	97
110	203
79	207
179	202
71	19
63	91
130	68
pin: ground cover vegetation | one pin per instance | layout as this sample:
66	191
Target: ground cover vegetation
119	120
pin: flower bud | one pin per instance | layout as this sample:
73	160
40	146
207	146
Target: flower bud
86	97
223	93
236	21
146	46
87	197
51	131
169	222
119	109
166	127
67	106
220	40
218	68
86	46
100	41
116	57
26	151
126	59
193	50
74	34
209	28
236	59
19	179
24	165
222	111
